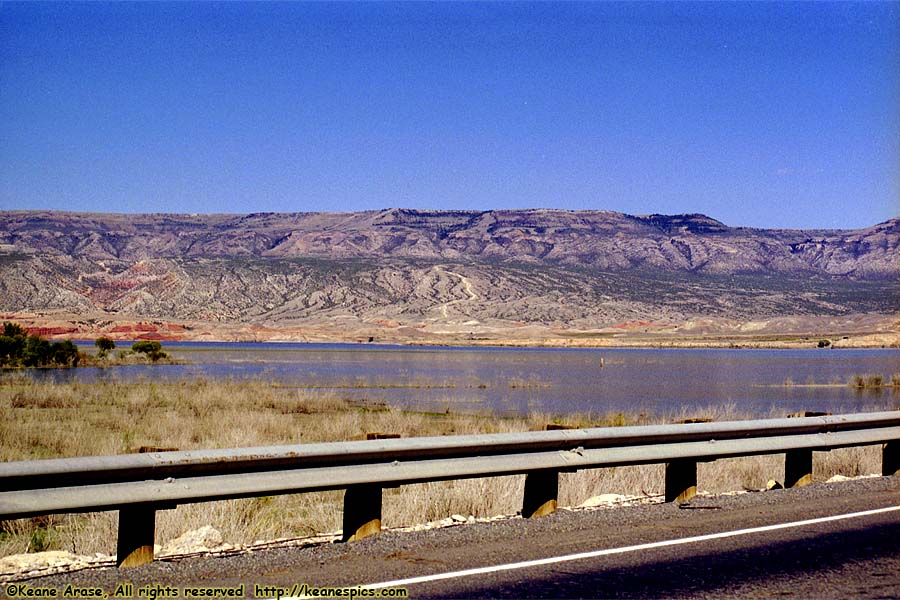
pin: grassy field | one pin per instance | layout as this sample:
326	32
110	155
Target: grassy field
45	420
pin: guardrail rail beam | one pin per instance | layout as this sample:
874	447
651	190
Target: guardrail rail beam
138	485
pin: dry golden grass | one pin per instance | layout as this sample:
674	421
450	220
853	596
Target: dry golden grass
43	420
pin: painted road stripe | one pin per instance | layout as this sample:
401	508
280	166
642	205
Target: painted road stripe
609	552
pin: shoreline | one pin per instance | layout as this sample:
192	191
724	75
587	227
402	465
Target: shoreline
864	331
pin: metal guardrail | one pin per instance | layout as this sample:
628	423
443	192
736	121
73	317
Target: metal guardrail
139	484
58	472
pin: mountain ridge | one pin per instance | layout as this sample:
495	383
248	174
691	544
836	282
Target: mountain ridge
602	239
439	275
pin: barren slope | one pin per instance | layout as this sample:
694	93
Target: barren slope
456	272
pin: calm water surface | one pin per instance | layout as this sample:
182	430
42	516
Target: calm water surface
556	381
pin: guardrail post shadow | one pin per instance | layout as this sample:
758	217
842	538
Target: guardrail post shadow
541	493
890	458
362	512
137	530
798	466
681	480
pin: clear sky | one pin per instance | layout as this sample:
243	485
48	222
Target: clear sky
758	114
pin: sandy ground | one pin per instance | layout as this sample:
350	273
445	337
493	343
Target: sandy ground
855	331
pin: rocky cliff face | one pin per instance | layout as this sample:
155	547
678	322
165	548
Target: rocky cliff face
557	268
594	239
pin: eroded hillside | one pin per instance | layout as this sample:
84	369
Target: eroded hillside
431	273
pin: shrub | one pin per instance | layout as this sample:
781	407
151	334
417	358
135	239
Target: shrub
870	382
146	347
875	381
104	345
152	349
155	355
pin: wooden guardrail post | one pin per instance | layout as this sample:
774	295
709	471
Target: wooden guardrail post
681	480
137	530
362	512
890	458
798	468
541	493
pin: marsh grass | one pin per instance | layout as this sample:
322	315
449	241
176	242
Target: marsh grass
48	420
874	382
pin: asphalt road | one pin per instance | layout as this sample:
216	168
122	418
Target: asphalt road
856	557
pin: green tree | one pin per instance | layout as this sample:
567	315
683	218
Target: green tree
105	345
18	349
36	352
64	354
11	349
12	343
14	330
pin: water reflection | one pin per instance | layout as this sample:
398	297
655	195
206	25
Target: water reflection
556	381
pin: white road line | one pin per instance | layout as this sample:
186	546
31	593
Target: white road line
623	550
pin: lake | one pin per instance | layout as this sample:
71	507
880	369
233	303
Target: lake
555	381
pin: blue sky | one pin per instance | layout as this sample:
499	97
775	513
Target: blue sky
758	114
